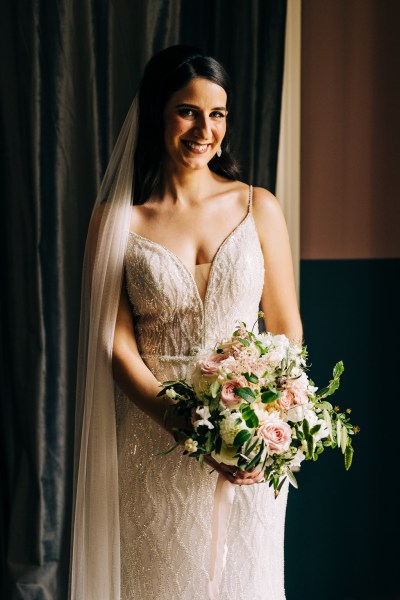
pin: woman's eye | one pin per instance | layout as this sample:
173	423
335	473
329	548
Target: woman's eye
217	114
186	112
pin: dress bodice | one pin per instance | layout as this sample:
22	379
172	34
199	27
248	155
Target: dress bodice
171	319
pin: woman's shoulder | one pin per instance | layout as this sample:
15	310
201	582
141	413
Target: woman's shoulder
268	214
264	200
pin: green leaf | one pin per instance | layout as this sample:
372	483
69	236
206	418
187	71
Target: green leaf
244	342
338	369
292	478
241	437
201	461
251	377
209	443
245	393
270	395
338	431
260	347
310	446
248	449
166	415
278	489
343	440
322	392
306	428
214	388
214	403
165	452
328	422
315	429
292	364
250	417
348	457
254	462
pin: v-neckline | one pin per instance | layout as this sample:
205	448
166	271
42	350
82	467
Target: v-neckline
180	262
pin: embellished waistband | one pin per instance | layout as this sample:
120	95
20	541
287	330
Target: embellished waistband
168	357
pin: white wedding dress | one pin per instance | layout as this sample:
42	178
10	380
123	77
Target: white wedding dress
166	502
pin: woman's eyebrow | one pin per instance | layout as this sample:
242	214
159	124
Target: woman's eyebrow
194	106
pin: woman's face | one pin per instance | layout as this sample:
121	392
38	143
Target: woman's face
195	123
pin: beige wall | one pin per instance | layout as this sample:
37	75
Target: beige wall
350	107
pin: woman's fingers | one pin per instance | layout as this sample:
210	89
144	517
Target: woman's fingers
234	474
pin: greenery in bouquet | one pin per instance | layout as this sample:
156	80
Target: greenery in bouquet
248	402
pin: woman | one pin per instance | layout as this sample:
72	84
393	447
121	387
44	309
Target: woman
202	250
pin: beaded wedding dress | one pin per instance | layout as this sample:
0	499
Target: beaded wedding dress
166	502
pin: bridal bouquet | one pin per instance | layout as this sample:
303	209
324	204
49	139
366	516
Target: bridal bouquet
249	402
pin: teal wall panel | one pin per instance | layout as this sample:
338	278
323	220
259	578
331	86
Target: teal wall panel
343	528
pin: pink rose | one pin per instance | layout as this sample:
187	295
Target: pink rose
228	396
210	366
286	401
277	434
292	395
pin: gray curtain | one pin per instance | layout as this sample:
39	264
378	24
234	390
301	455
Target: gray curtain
69	70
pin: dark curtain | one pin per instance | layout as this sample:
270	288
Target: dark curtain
69	70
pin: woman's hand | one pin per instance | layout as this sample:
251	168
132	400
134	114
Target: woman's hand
234	474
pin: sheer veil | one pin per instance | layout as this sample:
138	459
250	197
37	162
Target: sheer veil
95	547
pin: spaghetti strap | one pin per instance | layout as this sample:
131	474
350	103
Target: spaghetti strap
250	197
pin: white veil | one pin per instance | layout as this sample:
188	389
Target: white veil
95	547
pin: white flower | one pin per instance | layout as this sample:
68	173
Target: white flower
296	413
311	389
261	411
301	378
171	393
224	412
313	420
228	428
190	445
204	412
298	458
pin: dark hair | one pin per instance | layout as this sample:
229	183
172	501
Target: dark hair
167	72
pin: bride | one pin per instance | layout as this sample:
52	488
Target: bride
178	251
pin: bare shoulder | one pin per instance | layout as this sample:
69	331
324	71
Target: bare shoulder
265	203
267	212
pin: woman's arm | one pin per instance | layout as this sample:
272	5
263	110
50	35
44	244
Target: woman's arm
279	300
130	372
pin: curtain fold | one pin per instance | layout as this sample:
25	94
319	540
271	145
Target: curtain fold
69	71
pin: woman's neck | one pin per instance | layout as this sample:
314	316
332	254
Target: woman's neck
185	184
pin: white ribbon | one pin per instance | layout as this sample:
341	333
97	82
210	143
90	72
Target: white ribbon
223	501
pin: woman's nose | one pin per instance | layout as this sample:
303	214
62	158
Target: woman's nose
203	128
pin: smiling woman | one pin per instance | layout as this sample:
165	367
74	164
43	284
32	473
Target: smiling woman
191	253
194	127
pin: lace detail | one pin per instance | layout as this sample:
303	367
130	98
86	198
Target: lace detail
166	502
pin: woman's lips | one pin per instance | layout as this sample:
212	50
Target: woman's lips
196	148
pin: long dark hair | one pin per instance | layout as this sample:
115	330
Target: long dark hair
167	72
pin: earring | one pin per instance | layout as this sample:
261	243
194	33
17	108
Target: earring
219	152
